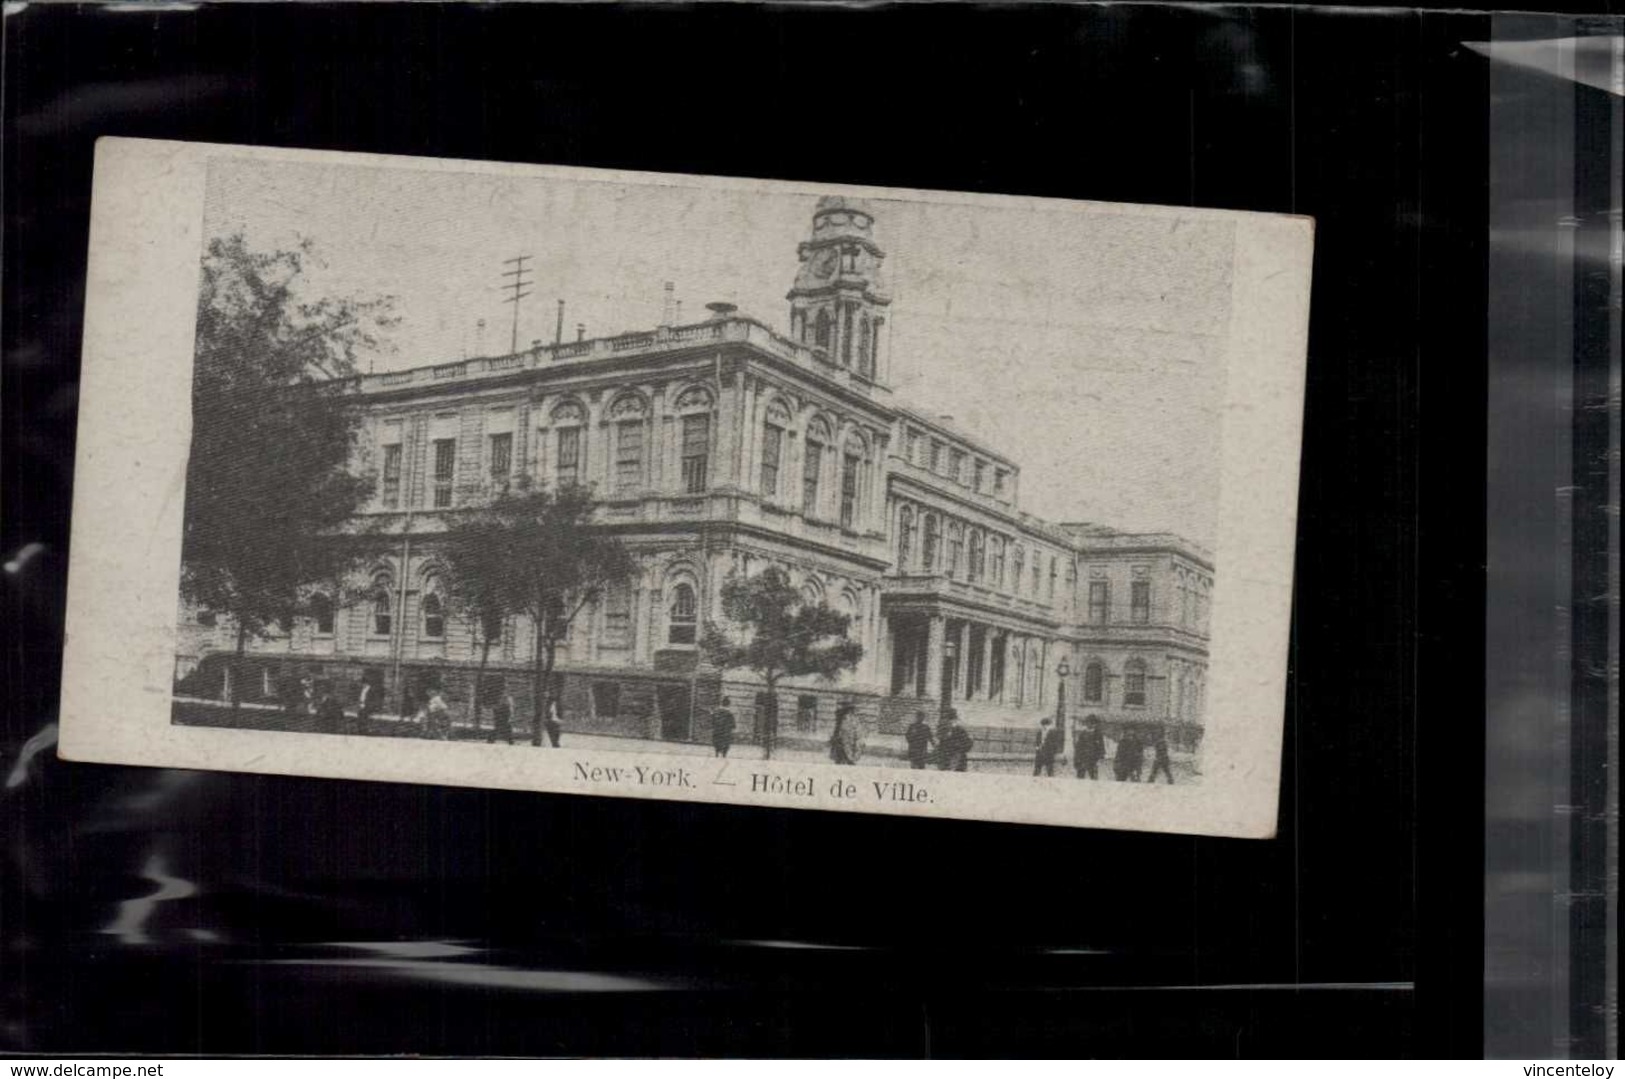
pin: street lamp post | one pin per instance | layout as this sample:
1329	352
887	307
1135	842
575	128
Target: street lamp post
1063	671
950	651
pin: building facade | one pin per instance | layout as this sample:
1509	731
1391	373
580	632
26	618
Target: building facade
721	447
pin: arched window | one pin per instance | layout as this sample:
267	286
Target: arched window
812	465
851	480
491	627
821	329
1134	683
996	577
773	428
568	450
1038	562
383	606
694	406
905	537
1052	570
321	612
628	415
978	554
684	616
933	536
1094	683
1018	562
956	547
434	617
864	367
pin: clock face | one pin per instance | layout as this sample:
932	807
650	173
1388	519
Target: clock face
824	263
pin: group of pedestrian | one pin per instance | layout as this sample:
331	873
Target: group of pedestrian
307	699
948	747
1089	750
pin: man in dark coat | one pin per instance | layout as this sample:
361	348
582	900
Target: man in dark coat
723	725
919	739
329	710
1130	756
1160	761
1051	740
502	719
1090	749
954	745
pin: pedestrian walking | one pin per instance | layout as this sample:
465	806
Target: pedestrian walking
502	720
554	725
1130	757
329	710
363	708
723	725
846	743
1090	749
954	745
1051	740
1160	761
920	740
438	716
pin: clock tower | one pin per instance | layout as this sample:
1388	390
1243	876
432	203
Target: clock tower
838	303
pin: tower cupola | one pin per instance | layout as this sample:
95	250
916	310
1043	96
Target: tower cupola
839	299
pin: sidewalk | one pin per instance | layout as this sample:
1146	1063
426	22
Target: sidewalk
884	751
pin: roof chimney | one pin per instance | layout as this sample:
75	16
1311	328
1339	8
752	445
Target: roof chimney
581	331
721	310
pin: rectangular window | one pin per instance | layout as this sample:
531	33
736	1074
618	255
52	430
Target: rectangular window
501	456
849	490
936	456
606	699
772	444
618	617
391	492
568	466
806	712
812	462
981	476
1139	601
913	447
628	456
696	453
445	462
1134	686
1099	601
999	477
956	466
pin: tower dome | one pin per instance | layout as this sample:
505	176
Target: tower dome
838	301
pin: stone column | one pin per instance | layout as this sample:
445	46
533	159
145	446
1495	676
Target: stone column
750	473
962	666
935	639
659	424
987	663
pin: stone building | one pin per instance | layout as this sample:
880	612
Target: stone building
720	447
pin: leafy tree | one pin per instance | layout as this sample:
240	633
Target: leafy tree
535	552
786	636
267	483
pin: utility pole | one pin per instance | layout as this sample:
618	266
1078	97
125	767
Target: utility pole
518	288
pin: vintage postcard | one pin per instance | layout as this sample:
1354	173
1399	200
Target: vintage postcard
684	487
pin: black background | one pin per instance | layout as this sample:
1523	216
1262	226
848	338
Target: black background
1357	931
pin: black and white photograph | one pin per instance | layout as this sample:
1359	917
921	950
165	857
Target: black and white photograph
745	478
